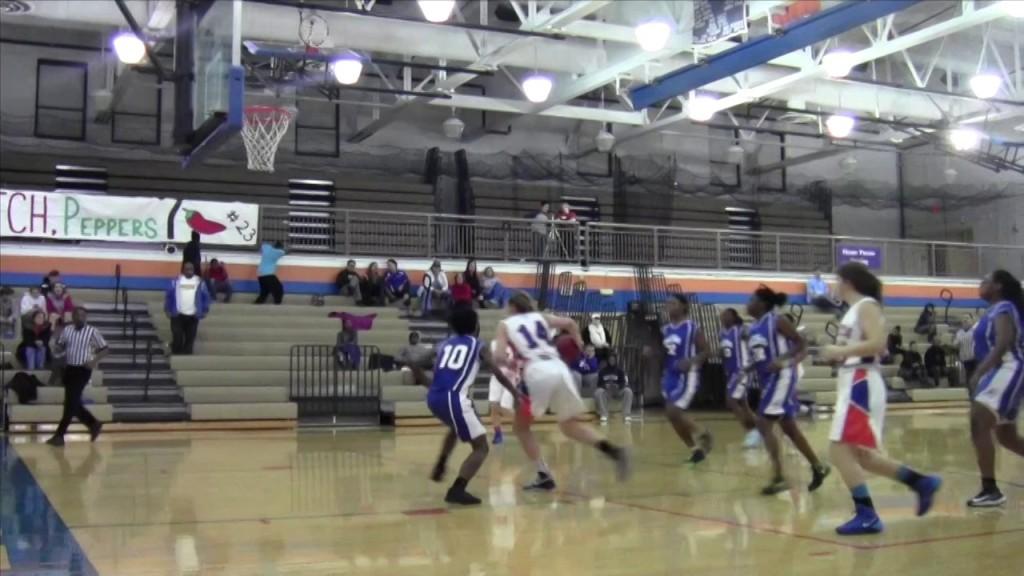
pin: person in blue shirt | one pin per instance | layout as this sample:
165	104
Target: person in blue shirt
587	368
450	400
396	284
186	302
998	381
819	295
267	272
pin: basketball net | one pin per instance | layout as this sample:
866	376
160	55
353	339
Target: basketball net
262	132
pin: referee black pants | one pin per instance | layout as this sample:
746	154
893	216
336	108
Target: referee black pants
76	378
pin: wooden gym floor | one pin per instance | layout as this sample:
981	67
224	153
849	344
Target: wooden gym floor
358	502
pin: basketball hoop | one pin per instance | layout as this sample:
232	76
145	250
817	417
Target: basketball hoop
262	132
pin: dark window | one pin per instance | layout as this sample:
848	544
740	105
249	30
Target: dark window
317	127
61	89
136	117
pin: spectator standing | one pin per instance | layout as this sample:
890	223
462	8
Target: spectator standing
217	281
371	287
348	281
586	369
567	234
964	340
396	284
565	213
192	253
473	279
270	254
541	229
935	361
435	291
83	347
32	301
462	294
494	293
49	281
613	383
35	341
59	305
597	336
186	302
8	313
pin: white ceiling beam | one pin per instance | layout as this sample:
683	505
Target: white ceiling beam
511	106
811	72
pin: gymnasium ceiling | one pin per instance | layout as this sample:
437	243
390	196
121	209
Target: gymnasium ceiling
911	86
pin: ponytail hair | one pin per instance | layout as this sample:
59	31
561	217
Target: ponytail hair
771	298
862	280
1011	289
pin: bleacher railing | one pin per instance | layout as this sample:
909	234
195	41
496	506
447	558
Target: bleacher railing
412	235
326	384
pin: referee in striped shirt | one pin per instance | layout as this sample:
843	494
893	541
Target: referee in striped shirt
84	347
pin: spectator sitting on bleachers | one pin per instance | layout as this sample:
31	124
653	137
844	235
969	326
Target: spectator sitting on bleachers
217	281
434	294
935	362
35	341
8	313
473	279
49	281
416	354
462	294
31	302
494	293
912	366
186	302
585	370
597	337
894	344
59	305
613	382
926	321
371	288
270	284
348	281
396	284
347	346
818	294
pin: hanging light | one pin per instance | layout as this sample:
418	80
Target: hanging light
604	141
837	63
1014	8
347	69
840	125
964	139
436	10
701	108
985	85
735	154
453	128
653	35
129	48
537	87
950	174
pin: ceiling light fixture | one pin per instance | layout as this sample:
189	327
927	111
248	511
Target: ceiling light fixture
985	85
701	108
604	141
840	125
436	11
838	63
129	48
347	68
537	87
1014	8
735	154
964	139
653	35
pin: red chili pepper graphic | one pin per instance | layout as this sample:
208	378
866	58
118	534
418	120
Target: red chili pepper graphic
197	222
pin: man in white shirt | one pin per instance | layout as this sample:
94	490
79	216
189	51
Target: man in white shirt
964	340
186	302
32	301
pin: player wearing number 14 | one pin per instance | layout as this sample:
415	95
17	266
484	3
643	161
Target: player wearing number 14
458	361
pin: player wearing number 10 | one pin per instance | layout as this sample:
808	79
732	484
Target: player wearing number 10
458	360
547	384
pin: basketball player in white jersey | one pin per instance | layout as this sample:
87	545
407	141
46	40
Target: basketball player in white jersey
547	383
860	403
500	399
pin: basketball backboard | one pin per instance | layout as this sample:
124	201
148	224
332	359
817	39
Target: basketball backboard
218	87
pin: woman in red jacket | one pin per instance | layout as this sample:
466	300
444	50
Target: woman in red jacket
462	293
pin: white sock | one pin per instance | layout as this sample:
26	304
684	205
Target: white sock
542	468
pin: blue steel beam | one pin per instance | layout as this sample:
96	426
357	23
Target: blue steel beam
815	28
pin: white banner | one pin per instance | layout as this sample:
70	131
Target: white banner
60	216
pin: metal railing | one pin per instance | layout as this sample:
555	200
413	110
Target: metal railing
324	384
412	235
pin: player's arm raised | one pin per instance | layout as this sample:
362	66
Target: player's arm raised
567	325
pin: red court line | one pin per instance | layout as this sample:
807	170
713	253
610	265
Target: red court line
425	512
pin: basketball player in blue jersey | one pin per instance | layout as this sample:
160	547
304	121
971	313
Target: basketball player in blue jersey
998	381
776	350
685	352
455	369
733	346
